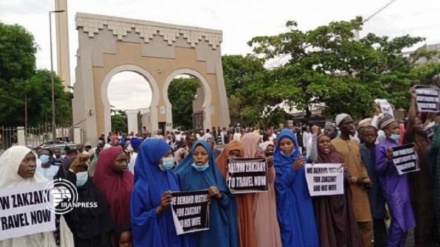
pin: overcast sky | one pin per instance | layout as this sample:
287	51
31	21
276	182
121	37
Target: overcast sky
240	20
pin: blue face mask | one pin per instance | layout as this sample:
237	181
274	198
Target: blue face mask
200	168
285	155
44	158
167	164
395	137
81	178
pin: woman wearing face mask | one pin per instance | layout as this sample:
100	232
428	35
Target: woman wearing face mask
151	217
115	181
265	221
17	169
245	202
90	226
395	187
294	204
199	171
337	225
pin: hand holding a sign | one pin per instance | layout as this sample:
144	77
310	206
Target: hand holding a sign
412	92
298	163
389	154
213	191
165	201
377	109
78	163
269	161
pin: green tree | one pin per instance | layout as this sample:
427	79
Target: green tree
246	81
239	70
21	84
39	100
119	121
36	93
275	116
181	94
17	53
327	65
425	72
17	64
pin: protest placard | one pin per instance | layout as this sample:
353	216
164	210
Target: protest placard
429	129
325	179
24	211
190	211
247	175
405	159
428	98
385	107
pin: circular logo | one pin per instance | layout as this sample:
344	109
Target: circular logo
63	196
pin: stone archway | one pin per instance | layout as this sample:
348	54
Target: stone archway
158	52
141	71
206	92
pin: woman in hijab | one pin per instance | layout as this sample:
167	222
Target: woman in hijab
17	169
266	144
245	202
151	216
116	182
90	226
199	171
331	131
337	225
265	222
294	204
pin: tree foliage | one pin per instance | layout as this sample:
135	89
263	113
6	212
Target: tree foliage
119	121
425	72
181	94
246	81
19	81
17	53
39	99
328	65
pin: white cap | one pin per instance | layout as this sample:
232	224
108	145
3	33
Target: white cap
341	117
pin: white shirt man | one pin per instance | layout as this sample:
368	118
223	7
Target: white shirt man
272	137
237	136
206	136
132	161
307	141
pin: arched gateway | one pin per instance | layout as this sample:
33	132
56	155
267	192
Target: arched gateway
157	51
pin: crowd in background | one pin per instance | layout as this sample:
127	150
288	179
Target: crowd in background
131	177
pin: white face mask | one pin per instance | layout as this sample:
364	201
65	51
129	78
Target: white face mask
167	163
81	178
395	137
200	168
